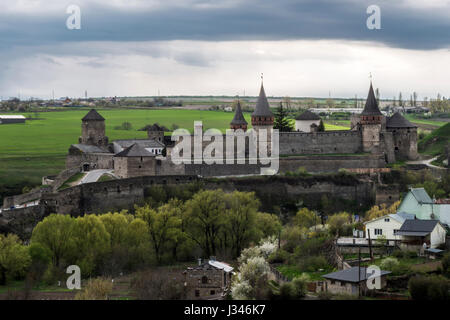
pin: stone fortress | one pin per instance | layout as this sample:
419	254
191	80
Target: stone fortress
373	141
141	164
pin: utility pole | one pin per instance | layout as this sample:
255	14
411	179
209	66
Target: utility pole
359	272
370	245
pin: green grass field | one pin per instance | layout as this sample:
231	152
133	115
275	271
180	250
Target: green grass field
414	119
436	141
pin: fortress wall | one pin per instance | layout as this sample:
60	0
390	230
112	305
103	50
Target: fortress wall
322	164
110	195
116	195
346	141
33	195
22	221
387	145
96	160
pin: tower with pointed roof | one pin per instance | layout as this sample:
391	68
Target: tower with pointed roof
238	121
370	123
262	117
93	129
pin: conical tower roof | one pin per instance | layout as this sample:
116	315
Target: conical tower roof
398	121
238	116
262	105
371	107
93	115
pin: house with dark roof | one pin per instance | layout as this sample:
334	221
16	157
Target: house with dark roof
354	280
421	233
134	161
304	121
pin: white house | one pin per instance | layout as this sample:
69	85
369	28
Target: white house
386	226
304	121
419	232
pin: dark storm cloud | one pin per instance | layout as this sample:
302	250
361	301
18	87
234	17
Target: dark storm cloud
402	26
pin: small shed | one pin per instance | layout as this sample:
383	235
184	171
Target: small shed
350	281
433	253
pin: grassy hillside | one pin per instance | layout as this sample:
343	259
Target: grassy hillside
436	141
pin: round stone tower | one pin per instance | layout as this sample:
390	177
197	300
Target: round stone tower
93	129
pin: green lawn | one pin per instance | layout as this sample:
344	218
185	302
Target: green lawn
413	118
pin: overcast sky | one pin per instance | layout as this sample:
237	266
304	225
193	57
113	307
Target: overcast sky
220	47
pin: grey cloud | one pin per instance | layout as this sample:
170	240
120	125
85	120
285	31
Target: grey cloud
248	20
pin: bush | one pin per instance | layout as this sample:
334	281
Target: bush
300	285
429	288
398	254
313	263
96	289
279	256
287	291
325	295
446	264
389	264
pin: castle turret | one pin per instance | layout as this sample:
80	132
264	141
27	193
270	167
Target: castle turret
404	135
238	121
371	119
93	129
262	117
156	132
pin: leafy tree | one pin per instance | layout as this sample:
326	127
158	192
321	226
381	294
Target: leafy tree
55	233
92	242
337	221
381	210
305	218
321	127
163	224
14	257
281	122
241	219
206	219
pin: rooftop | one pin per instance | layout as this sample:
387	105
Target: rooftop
421	195
135	150
262	108
308	115
417	228
398	121
371	107
238	116
93	115
351	275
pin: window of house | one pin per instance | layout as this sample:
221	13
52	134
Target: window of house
213	292
386	220
379	232
204	279
197	293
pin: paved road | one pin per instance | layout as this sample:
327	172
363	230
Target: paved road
94	175
427	163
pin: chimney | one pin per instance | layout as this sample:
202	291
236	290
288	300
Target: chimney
199	261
